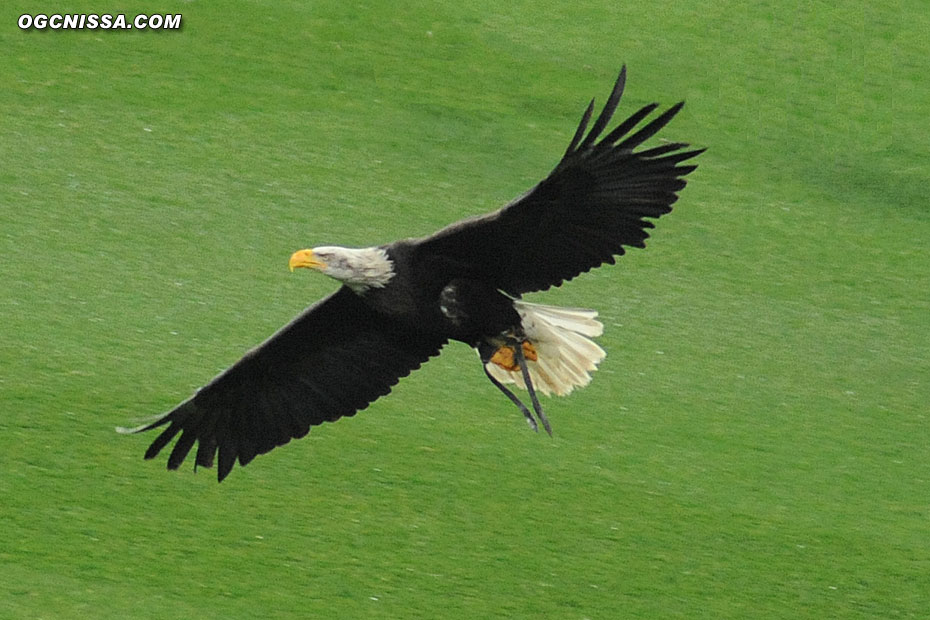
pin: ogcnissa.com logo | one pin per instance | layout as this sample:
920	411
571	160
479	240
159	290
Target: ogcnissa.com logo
94	21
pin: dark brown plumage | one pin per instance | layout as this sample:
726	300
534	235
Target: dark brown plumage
347	350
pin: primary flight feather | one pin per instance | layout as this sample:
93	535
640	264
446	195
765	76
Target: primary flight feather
401	302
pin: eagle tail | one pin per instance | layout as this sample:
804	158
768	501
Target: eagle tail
565	353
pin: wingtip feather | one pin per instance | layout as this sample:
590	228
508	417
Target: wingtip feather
582	126
607	113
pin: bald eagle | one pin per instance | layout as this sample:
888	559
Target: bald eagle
400	303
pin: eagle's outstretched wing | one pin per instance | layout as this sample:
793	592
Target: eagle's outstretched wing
590	206
331	361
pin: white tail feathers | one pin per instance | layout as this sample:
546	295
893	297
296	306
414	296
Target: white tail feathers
565	353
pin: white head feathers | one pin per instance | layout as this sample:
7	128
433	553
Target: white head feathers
360	269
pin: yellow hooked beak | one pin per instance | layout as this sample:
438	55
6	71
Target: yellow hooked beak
306	259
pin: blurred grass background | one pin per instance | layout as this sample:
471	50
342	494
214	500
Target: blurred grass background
755	444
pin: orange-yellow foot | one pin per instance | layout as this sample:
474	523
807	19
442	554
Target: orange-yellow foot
505	356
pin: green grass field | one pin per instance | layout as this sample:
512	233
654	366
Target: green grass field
754	446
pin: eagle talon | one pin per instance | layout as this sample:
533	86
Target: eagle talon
505	356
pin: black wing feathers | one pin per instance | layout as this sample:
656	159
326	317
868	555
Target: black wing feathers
594	203
579	133
331	361
650	129
604	117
